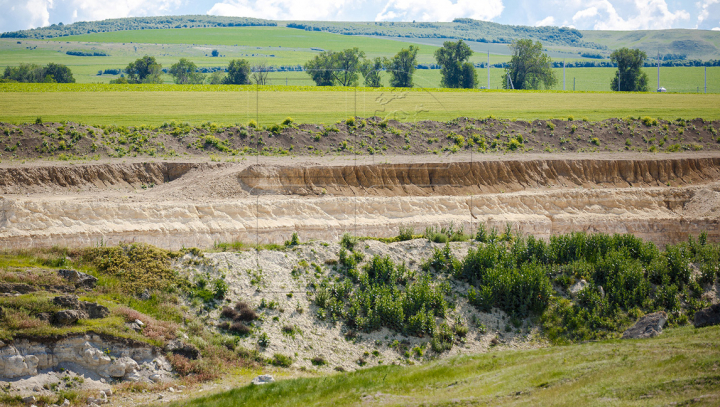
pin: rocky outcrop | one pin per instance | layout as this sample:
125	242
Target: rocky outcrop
77	310
648	326
88	354
707	317
183	349
79	279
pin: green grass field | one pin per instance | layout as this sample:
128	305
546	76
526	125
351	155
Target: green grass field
679	367
148	104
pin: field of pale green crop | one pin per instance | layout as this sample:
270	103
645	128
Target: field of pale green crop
155	104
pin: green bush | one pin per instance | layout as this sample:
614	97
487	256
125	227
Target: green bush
281	360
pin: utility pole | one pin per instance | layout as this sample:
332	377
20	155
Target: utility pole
488	69
705	79
563	74
573	84
658	62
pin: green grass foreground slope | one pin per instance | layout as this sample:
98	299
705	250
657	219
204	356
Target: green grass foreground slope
680	366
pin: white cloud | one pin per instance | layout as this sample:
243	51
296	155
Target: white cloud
716	29
38	13
23	15
440	10
704	10
549	20
587	13
642	15
281	9
96	10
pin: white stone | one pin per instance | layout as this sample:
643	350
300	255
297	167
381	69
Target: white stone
139	322
577	287
263	379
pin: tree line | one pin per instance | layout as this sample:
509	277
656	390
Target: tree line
529	68
31	73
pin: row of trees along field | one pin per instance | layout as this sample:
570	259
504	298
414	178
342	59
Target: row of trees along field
51	73
529	68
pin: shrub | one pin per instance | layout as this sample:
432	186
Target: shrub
281	360
294	240
318	361
649	121
350	122
288	121
551	126
406	233
348	241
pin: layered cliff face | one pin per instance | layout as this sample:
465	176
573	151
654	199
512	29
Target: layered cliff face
663	200
463	178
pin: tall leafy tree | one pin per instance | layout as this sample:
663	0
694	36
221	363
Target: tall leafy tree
402	67
331	68
60	73
185	72
456	71
144	70
346	65
371	70
320	69
529	67
238	72
629	77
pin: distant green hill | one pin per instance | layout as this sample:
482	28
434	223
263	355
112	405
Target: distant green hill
692	44
700	44
135	23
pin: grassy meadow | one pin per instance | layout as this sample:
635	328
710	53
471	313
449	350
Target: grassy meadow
679	367
156	104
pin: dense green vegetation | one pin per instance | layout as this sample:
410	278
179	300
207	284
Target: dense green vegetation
629	77
677	367
529	67
625	277
30	73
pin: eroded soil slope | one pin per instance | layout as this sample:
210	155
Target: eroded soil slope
173	204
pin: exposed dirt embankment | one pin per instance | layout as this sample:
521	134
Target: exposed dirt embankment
663	200
464	178
95	176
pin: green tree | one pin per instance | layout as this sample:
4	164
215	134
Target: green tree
629	77
330	68
320	69
371	71
346	65
29	73
185	72
238	72
60	73
144	70
215	53
529	67
456	71
402	67
216	78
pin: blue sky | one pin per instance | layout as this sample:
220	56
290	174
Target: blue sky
581	14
